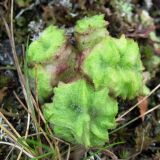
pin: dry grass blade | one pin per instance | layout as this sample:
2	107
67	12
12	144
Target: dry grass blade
20	75
140	116
8	133
18	147
26	134
10	125
110	154
119	118
43	132
14	138
21	103
9	153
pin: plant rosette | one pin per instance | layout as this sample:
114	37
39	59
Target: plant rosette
81	115
84	104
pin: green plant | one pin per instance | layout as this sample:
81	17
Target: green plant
49	57
115	64
90	31
87	114
82	108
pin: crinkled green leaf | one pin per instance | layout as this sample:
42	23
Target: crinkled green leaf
125	83
129	53
115	64
43	49
52	54
90	31
89	23
81	115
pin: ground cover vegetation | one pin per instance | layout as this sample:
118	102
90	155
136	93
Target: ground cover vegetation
79	79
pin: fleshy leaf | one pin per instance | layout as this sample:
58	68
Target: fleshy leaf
115	64
129	53
90	31
49	43
80	115
54	57
90	23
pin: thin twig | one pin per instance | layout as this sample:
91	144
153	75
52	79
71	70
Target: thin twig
140	116
110	154
28	120
21	103
26	134
20	75
9	114
45	135
7	67
10	125
28	8
9	153
9	133
29	114
20	154
48	140
68	153
18	147
12	136
119	118
28	124
34	134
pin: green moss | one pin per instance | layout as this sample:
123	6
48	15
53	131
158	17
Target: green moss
49	43
80	115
